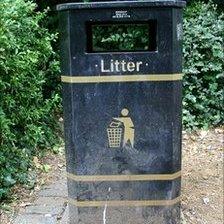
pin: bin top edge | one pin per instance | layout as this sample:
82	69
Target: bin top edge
118	4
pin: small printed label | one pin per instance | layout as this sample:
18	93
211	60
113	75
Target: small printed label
121	15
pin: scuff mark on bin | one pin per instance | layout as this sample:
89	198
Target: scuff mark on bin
104	214
105	208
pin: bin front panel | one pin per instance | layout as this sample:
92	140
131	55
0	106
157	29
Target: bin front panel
122	113
154	108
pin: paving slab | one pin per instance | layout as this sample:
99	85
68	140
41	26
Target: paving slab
44	209
35	219
48	208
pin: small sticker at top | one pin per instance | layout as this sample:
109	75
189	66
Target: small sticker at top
121	14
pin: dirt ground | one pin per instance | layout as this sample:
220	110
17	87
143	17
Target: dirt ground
202	183
202	179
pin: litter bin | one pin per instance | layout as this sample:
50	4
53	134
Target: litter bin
122	110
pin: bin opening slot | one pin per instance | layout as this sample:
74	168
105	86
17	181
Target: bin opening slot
121	37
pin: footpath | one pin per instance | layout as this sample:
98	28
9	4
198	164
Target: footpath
50	207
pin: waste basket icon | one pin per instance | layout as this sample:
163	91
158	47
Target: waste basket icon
121	131
115	133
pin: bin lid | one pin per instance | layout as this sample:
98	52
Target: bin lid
120	4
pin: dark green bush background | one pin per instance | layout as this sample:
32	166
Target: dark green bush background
28	85
29	78
203	66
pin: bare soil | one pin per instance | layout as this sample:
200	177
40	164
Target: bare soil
202	179
202	183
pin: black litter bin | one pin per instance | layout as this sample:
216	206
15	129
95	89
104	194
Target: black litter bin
122	111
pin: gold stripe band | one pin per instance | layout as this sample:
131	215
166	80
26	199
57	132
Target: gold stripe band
124	203
121	78
142	177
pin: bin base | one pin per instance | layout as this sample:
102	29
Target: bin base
125	215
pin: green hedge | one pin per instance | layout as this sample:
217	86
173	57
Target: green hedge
203	66
28	105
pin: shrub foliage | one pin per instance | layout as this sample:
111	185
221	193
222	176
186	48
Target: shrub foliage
203	66
27	106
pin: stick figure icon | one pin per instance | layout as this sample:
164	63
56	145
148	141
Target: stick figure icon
121	124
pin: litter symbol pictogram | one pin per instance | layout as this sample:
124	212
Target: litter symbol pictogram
121	131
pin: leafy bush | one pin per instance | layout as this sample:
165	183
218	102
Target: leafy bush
120	37
203	66
218	2
27	108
